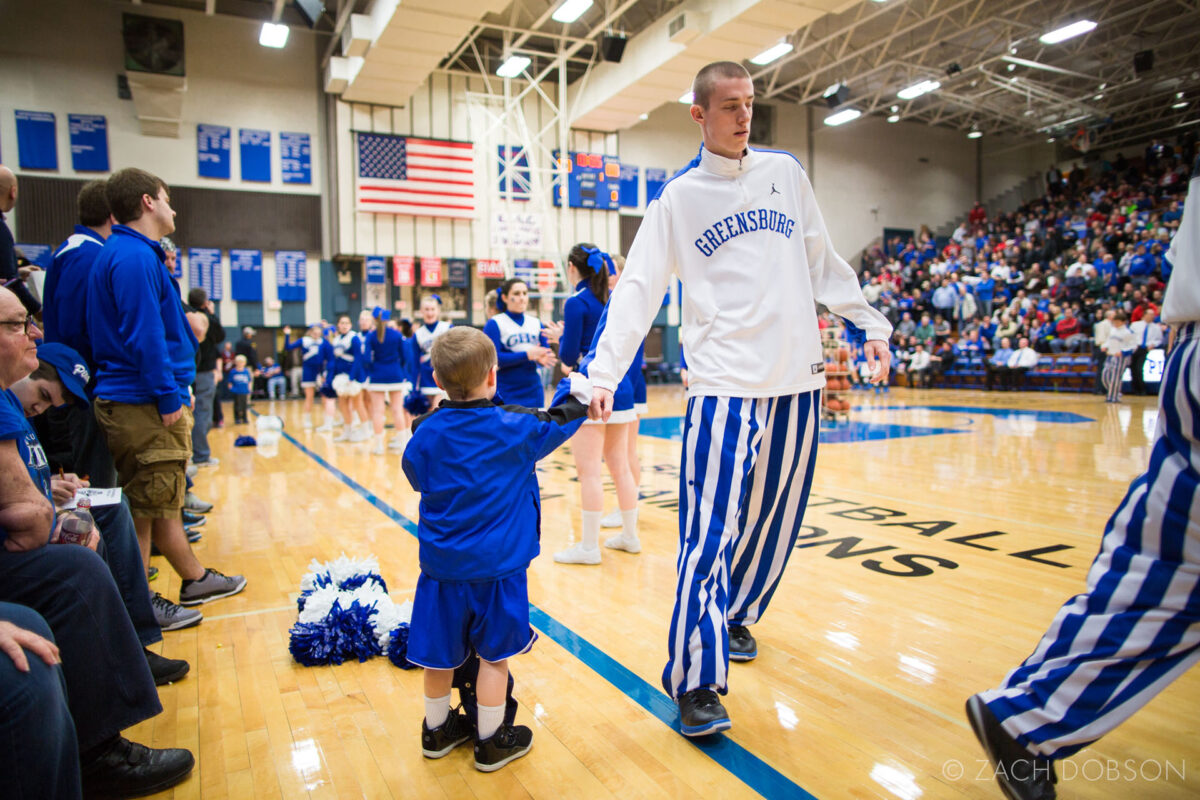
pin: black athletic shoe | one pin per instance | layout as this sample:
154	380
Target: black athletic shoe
1021	774
742	646
701	713
193	536
507	744
165	670
447	736
193	520
128	769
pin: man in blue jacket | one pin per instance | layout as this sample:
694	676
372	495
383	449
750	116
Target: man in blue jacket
145	359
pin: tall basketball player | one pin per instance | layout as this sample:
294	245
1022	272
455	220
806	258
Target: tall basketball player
742	230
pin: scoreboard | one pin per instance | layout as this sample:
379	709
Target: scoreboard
593	181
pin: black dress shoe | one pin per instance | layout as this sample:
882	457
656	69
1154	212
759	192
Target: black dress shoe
1021	774
165	670
127	769
742	646
701	713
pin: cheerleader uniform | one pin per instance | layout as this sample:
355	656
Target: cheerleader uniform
582	323
317	353
424	336
638	378
517	381
345	361
387	362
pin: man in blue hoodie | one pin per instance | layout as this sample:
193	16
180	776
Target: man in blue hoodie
145	358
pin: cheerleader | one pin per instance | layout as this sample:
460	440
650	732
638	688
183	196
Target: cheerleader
345	378
387	371
521	346
317	353
588	268
430	327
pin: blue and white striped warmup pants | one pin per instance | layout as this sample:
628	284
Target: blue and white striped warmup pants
1137	627
1113	373
743	485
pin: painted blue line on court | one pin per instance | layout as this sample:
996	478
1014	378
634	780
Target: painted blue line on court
740	762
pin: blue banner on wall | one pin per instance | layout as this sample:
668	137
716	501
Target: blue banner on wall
212	151
36	148
245	275
204	270
655	180
458	273
376	269
255	151
40	254
89	142
295	152
289	275
629	186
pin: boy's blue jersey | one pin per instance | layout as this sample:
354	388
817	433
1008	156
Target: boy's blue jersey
240	381
142	343
473	463
387	361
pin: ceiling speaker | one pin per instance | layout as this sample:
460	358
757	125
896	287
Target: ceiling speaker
835	96
1143	61
612	47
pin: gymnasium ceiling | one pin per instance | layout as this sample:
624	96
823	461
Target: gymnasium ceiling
1005	81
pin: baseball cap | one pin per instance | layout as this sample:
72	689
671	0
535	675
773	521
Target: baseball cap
72	369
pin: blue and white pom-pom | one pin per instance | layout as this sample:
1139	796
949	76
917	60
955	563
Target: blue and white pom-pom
345	612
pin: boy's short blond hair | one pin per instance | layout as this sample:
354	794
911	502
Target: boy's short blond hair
462	358
240	360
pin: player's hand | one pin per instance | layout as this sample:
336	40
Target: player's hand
879	360
552	331
15	641
683	376
170	419
287	330
601	407
566	370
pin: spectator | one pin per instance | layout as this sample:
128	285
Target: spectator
11	275
996	365
919	368
1068	333
246	347
1023	359
276	382
145	355
1147	335
205	387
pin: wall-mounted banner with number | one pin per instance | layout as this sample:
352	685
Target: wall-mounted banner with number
431	271
376	269
655	180
458	273
295	153
403	273
204	270
89	142
255	151
290	281
629	186
36	148
212	151
245	275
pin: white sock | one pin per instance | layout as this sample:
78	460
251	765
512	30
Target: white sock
437	709
629	523
489	719
590	538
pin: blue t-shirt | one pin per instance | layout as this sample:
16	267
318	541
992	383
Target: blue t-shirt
15	427
240	381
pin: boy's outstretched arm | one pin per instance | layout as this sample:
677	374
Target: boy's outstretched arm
559	422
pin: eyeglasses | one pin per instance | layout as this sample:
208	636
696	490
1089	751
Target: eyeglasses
21	326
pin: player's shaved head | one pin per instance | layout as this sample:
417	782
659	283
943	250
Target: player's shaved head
708	77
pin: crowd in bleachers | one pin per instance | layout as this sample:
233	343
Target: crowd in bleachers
1049	278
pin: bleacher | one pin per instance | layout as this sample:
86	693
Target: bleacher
1059	372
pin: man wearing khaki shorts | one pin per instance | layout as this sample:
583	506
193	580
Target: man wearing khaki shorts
145	356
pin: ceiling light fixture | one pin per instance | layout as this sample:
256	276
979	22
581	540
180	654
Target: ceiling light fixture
571	10
842	117
772	53
513	66
273	35
918	89
894	118
1011	67
1067	32
1180	105
974	134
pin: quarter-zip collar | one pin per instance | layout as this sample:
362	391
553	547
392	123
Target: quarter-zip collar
725	167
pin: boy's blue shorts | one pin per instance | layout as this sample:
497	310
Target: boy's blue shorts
451	617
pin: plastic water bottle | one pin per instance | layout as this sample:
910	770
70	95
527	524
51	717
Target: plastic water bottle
78	524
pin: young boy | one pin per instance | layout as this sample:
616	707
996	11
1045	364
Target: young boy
473	463
241	381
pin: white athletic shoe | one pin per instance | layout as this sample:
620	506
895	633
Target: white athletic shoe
378	448
343	435
361	433
398	443
326	428
338	422
306	422
612	520
620	542
577	554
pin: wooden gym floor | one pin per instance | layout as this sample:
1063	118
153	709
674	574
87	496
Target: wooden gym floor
946	528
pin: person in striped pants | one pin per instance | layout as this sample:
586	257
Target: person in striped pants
1119	347
1137	625
742	230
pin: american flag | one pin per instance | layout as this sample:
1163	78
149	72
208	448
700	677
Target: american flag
417	177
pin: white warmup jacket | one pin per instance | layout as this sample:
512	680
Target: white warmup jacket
747	241
1182	303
